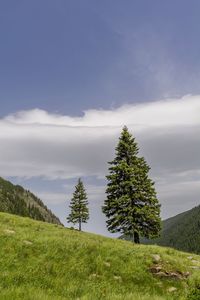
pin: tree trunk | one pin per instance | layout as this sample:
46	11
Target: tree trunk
136	238
79	225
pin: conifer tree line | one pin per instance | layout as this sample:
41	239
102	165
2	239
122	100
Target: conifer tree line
131	206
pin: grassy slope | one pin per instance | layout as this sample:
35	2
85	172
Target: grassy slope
46	261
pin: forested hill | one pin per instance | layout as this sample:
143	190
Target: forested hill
15	199
180	232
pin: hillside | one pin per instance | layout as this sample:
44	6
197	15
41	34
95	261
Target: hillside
180	232
15	199
46	261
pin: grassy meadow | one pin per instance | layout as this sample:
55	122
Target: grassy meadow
46	261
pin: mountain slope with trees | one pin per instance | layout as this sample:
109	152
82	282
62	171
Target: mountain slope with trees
15	199
180	232
47	261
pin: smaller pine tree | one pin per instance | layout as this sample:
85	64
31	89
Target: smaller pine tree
79	206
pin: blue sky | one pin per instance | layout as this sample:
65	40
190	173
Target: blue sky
69	56
70	67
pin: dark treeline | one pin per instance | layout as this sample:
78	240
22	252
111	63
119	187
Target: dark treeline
15	199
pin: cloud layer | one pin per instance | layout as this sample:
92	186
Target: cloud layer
169	112
38	143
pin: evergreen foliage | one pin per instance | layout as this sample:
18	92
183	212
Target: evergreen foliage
131	206
79	206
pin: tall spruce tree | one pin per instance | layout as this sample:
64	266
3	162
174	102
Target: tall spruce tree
131	206
79	206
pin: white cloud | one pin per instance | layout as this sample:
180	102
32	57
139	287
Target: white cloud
94	193
37	143
178	196
171	112
52	198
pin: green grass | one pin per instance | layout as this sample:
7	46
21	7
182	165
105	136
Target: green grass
46	261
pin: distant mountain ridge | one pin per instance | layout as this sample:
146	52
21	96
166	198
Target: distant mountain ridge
181	232
15	199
